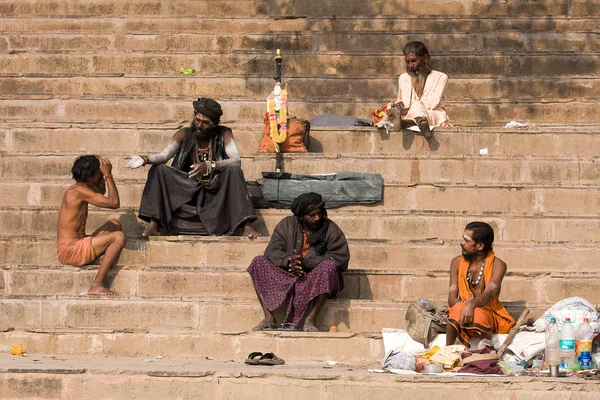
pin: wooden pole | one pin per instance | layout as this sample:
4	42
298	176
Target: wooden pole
513	332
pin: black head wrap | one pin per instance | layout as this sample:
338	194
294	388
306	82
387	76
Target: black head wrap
209	108
304	204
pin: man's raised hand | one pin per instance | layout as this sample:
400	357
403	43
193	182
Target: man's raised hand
134	162
105	166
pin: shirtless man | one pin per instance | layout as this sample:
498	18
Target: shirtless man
476	278
92	175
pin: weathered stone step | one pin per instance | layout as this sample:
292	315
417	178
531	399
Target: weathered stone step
561	90
398	225
312	42
541	141
316	25
206	283
260	64
136	314
425	168
300	9
423	198
126	378
292	346
188	253
178	111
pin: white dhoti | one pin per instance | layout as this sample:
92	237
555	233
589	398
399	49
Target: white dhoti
431	103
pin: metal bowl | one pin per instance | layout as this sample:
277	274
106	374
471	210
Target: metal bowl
433	368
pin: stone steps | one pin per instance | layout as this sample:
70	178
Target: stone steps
543	90
190	315
425	198
309	42
124	110
318	25
297	346
300	9
97	377
560	141
397	225
206	283
259	64
417	257
400	169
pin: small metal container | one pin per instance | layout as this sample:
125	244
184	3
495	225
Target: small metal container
553	370
433	368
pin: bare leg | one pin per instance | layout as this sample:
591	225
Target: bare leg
311	318
108	240
151	229
269	316
249	232
451	335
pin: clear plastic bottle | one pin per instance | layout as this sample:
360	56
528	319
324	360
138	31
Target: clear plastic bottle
552	343
583	344
567	345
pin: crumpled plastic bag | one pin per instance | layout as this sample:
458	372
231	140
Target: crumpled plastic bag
395	359
575	308
516	124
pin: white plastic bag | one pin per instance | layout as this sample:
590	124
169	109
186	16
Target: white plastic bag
575	308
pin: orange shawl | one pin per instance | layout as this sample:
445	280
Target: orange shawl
502	318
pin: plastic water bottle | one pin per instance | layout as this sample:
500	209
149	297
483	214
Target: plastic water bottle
552	345
583	345
567	345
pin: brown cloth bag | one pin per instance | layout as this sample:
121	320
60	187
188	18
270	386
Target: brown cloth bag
297	135
424	321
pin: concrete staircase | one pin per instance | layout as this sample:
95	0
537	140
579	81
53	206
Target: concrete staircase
82	76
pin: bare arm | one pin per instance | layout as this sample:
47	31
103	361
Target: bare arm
234	159
453	290
159	158
493	287
111	200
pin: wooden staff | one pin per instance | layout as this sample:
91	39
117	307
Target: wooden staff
513	332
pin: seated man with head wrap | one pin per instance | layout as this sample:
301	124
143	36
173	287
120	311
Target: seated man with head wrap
203	192
302	264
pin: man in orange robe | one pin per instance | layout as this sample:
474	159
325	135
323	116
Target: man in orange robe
475	283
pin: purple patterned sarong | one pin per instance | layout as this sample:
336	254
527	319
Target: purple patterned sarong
276	286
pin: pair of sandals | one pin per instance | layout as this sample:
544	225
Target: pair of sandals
258	358
287	326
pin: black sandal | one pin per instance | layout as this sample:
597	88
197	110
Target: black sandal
253	358
270	359
288	326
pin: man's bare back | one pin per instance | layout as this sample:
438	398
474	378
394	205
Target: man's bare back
93	175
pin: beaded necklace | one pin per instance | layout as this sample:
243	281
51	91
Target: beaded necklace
469	278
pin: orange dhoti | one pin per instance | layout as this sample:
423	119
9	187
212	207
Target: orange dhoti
76	252
491	318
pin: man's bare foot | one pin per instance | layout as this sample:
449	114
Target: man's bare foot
424	127
265	324
250	233
100	291
309	327
151	229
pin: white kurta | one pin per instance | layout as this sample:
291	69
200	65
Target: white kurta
430	104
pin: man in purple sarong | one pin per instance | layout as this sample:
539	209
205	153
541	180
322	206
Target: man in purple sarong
302	264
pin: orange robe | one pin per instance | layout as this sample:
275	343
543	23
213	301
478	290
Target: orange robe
492	317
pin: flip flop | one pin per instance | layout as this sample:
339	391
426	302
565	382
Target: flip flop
269	327
288	326
270	359
253	358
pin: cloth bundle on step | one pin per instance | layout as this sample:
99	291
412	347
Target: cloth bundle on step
337	190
